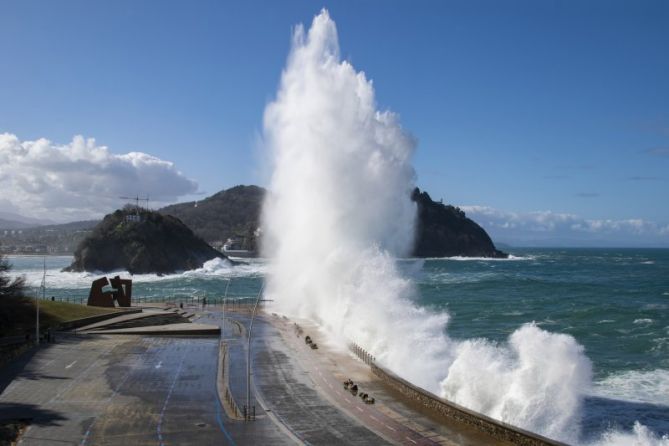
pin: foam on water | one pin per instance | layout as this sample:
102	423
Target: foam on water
640	436
339	213
58	279
519	382
484	259
643	321
635	385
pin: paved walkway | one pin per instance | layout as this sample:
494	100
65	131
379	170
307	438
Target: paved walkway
122	390
128	390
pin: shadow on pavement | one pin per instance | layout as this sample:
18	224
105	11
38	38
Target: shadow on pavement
21	364
30	412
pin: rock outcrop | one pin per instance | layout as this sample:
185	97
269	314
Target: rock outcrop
445	231
141	242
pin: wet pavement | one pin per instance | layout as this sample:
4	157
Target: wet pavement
121	390
160	390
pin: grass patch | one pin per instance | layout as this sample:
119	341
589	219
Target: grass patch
17	315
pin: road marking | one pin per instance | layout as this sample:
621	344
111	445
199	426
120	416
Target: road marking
373	418
70	365
390	427
159	365
359	409
167	401
413	441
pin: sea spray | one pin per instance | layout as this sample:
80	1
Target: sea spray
640	436
339	213
537	380
339	209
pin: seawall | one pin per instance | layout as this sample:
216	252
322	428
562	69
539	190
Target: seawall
496	429
492	427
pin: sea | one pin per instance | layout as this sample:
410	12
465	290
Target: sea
615	302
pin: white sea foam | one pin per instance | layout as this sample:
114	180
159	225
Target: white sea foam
484	259
338	212
520	382
636	385
58	279
640	436
643	321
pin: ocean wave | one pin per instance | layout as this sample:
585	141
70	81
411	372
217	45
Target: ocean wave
635	385
643	321
639	436
223	268
484	259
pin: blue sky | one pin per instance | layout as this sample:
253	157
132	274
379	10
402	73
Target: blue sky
518	107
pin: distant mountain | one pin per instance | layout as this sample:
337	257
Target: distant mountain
8	219
442	230
13	224
141	242
51	239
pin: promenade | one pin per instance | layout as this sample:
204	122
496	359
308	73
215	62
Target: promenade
120	389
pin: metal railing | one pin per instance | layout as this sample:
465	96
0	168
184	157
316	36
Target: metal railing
231	303
361	353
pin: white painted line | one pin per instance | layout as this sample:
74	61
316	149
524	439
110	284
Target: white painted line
410	440
159	365
359	409
390	427
373	418
70	365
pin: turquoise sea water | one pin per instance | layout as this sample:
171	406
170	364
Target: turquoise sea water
615	302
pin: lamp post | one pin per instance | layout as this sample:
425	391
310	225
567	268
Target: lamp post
225	298
248	354
43	286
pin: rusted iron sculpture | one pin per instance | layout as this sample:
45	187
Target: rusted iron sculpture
122	292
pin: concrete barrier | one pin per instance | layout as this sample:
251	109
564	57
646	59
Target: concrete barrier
76	323
483	423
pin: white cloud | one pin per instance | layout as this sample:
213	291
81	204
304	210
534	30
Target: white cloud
81	180
564	228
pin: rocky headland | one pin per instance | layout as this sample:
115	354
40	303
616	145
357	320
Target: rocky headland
445	231
141	242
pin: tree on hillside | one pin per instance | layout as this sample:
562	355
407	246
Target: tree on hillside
9	287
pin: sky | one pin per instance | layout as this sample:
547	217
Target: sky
546	121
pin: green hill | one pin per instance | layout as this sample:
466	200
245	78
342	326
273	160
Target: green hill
442	230
141	242
228	213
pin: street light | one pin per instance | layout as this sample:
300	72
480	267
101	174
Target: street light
248	354
43	286
225	298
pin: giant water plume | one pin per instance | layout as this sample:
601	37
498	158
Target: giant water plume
338	214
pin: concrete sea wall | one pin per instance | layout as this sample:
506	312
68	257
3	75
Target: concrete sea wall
445	408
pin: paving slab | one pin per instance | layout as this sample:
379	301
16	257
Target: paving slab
128	318
186	328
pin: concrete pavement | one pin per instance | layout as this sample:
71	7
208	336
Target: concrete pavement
120	390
